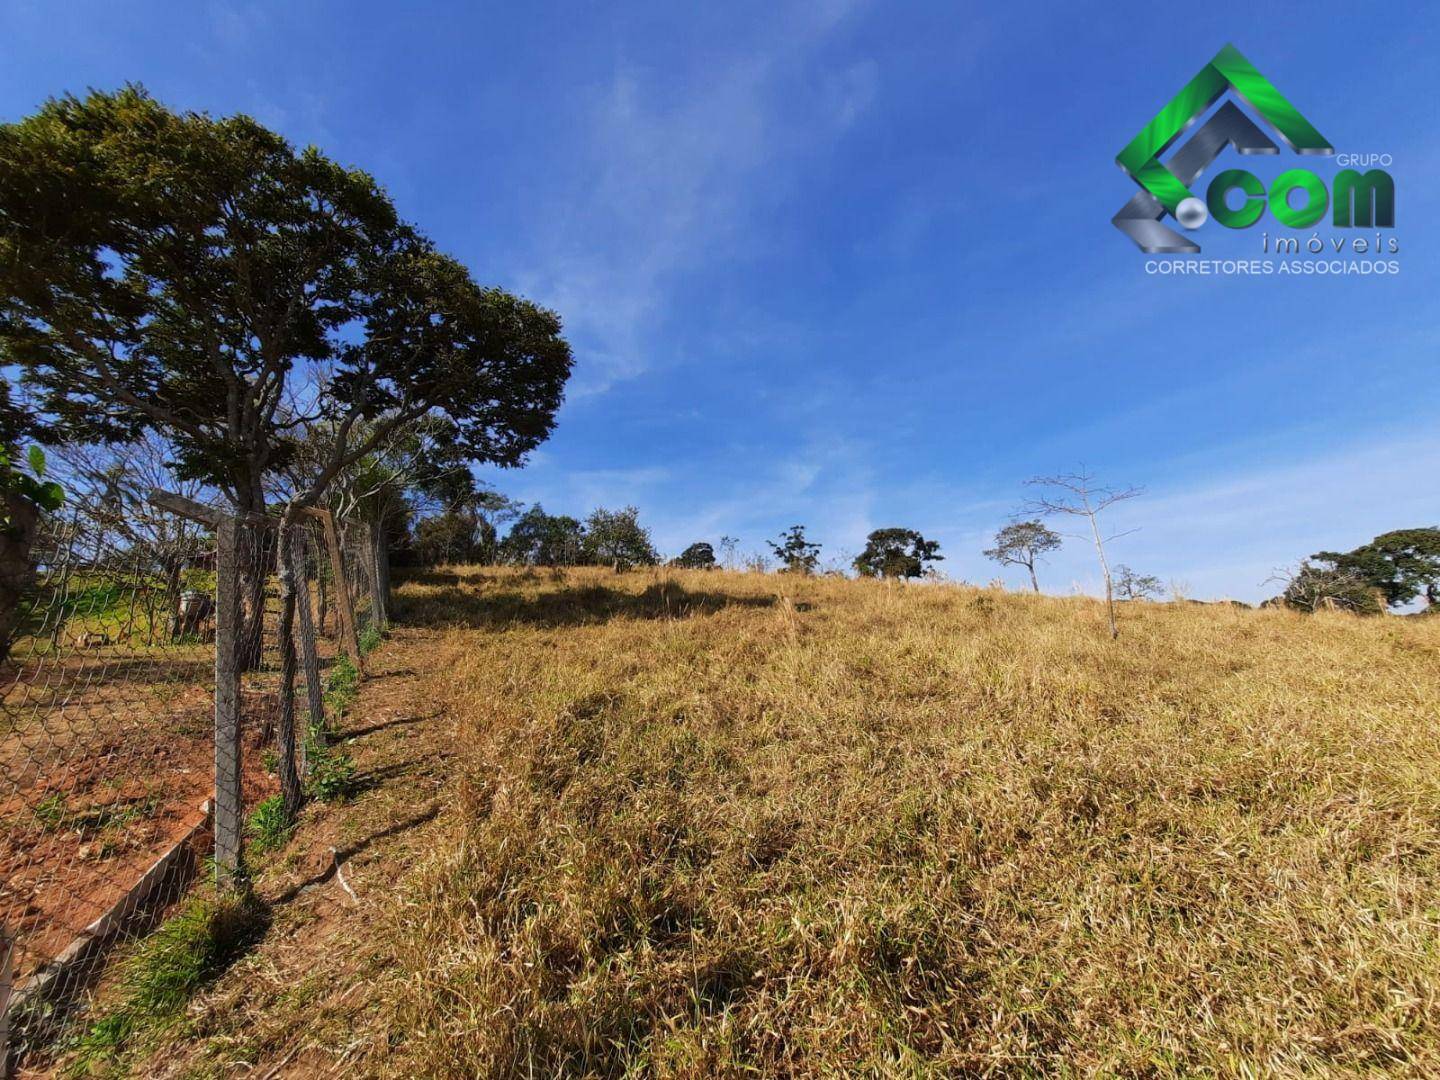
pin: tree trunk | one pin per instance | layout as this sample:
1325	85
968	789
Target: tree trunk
17	572
254	564
1105	569
254	567
1034	581
285	728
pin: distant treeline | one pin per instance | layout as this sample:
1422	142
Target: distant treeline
1393	570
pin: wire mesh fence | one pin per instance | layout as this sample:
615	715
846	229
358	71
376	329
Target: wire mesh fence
361	561
104	742
163	678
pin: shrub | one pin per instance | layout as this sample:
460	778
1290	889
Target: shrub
341	686
331	771
698	556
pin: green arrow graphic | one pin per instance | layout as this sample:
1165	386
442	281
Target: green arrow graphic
1228	70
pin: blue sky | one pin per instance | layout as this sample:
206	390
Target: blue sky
852	265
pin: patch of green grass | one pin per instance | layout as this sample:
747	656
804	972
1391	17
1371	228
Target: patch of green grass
269	826
52	811
162	974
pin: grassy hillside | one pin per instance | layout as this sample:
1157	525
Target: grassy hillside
716	824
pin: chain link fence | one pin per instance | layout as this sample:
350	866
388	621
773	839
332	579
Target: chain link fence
162	678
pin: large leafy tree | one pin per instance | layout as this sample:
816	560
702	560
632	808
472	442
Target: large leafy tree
1402	564
698	556
616	538
174	272
896	553
541	539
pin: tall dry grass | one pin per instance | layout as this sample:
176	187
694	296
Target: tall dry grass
715	824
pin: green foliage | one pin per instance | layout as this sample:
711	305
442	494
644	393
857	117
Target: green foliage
269	825
699	556
1315	588
331	777
796	554
1402	564
468	532
540	539
616	538
171	271
1024	543
370	639
1132	586
27	481
194	579
342	685
331	772
896	553
451	537
52	812
158	979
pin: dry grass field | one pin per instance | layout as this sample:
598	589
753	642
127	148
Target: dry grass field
713	824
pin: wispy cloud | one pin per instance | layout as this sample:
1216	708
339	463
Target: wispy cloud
675	179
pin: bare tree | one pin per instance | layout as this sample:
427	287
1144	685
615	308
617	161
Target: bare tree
1079	495
107	487
107	510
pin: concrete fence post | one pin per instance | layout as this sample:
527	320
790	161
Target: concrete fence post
7	979
229	810
374	535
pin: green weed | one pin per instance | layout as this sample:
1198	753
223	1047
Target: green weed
370	640
269	826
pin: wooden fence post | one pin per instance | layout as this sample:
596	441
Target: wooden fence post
291	790
382	569
229	807
309	662
344	605
229	811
